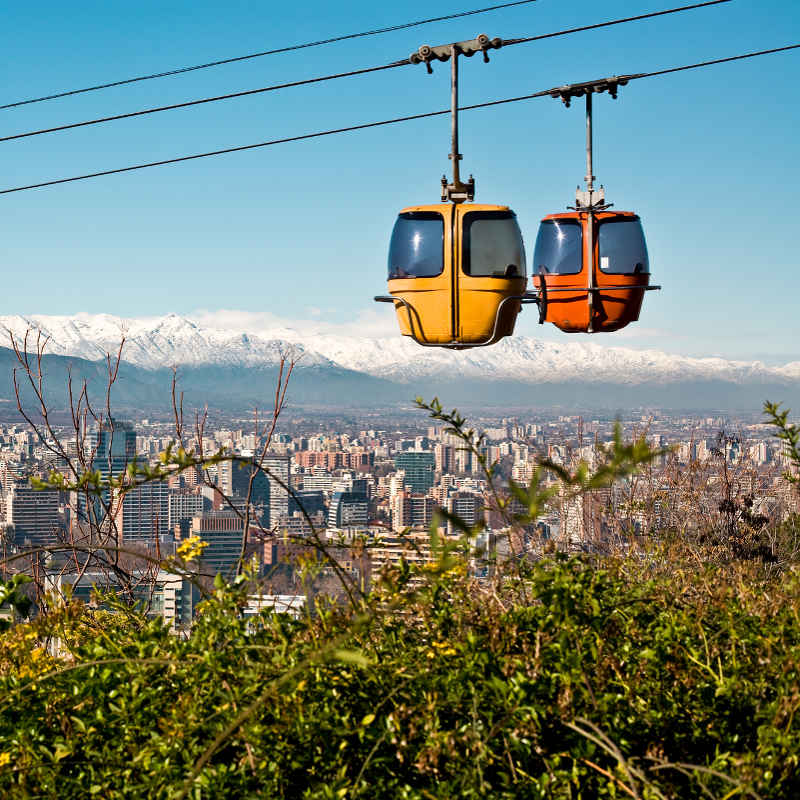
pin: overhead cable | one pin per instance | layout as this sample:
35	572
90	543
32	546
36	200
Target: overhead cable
203	100
276	51
334	76
544	93
716	61
597	25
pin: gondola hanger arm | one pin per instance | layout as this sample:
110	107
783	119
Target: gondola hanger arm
590	199
456	191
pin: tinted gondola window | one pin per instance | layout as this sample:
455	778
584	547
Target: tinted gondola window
559	248
417	246
622	247
492	245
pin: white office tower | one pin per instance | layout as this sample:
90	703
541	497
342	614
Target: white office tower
277	469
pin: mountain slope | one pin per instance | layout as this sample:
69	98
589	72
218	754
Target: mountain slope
174	340
230	387
237	368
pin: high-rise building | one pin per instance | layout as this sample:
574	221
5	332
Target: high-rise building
419	467
278	478
145	513
223	531
411	510
113	445
298	524
396	484
464	461
317	481
185	503
348	509
583	519
445	456
109	450
309	501
496	434
465	506
259	492
224	477
34	515
413	548
240	483
522	471
10	472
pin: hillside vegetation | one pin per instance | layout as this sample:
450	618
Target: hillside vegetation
653	676
668	670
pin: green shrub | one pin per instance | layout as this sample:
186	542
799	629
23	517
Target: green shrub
645	678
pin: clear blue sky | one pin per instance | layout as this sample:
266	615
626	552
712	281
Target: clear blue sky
708	158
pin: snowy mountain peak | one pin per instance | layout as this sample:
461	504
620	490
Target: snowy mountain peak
172	340
149	342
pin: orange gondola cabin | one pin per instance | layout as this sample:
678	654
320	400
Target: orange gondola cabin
590	264
593	268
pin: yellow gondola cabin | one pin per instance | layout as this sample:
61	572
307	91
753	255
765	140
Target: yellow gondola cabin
457	273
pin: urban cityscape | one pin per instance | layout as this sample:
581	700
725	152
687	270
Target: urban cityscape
369	489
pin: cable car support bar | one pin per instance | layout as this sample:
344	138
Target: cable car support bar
590	199
457	191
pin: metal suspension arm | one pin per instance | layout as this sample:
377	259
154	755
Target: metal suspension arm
457	191
590	199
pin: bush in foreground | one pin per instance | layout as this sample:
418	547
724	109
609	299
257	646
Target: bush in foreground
649	677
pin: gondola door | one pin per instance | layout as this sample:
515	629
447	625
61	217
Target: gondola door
489	272
621	269
561	260
421	273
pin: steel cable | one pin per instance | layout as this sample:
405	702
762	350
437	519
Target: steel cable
544	93
595	26
334	76
289	49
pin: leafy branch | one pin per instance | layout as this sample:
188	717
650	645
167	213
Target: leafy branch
789	434
617	460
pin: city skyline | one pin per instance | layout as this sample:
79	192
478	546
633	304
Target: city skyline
357	479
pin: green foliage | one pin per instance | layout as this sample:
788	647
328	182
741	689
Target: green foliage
627	680
787	432
13	599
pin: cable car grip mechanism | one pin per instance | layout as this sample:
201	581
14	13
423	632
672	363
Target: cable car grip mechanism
456	191
443	52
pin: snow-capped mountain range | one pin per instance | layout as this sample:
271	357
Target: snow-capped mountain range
174	340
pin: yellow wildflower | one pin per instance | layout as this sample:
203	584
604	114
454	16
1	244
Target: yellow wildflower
191	548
